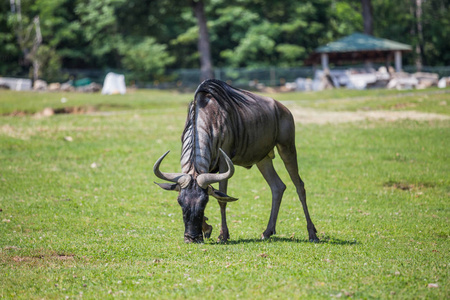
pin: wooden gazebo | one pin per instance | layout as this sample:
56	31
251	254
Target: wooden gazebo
359	47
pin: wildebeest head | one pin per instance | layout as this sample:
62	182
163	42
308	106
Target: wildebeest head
194	191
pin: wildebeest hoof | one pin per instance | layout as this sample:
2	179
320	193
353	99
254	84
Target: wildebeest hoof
207	232
312	234
223	238
267	234
313	238
265	237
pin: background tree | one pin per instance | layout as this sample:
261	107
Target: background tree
436	32
98	19
367	16
203	40
419	30
144	57
29	37
122	45
148	37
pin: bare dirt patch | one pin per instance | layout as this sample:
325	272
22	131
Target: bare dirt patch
407	186
77	110
48	111
312	116
43	258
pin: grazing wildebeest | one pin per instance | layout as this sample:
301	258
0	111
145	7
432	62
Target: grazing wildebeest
227	126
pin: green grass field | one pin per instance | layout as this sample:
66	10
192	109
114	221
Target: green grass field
81	217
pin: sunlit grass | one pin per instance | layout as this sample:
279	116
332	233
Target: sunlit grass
83	219
430	100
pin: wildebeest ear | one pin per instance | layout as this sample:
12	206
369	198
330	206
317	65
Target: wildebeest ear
221	197
169	186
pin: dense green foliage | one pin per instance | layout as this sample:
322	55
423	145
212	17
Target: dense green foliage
81	218
148	37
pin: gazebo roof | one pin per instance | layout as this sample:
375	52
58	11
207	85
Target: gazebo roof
358	47
362	42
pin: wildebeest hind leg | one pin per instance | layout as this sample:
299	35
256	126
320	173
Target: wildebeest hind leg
277	187
288	154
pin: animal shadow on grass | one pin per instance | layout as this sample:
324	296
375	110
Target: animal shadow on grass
275	239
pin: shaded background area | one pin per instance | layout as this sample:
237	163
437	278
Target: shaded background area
158	42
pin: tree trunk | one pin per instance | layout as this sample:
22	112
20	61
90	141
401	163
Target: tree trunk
203	40
24	37
34	51
367	16
419	45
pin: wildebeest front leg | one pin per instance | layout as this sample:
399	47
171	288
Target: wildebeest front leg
277	187
224	234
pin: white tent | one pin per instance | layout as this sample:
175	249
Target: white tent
114	84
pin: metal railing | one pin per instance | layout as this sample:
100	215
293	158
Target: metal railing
240	77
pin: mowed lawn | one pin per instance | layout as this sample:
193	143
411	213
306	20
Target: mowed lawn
81	217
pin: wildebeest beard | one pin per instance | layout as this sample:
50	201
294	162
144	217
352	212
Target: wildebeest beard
193	200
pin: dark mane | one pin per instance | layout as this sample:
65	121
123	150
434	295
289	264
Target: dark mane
230	99
227	96
188	137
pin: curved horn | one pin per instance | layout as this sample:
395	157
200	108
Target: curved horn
204	180
180	178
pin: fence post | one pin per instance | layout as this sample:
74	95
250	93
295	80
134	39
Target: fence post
272	76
